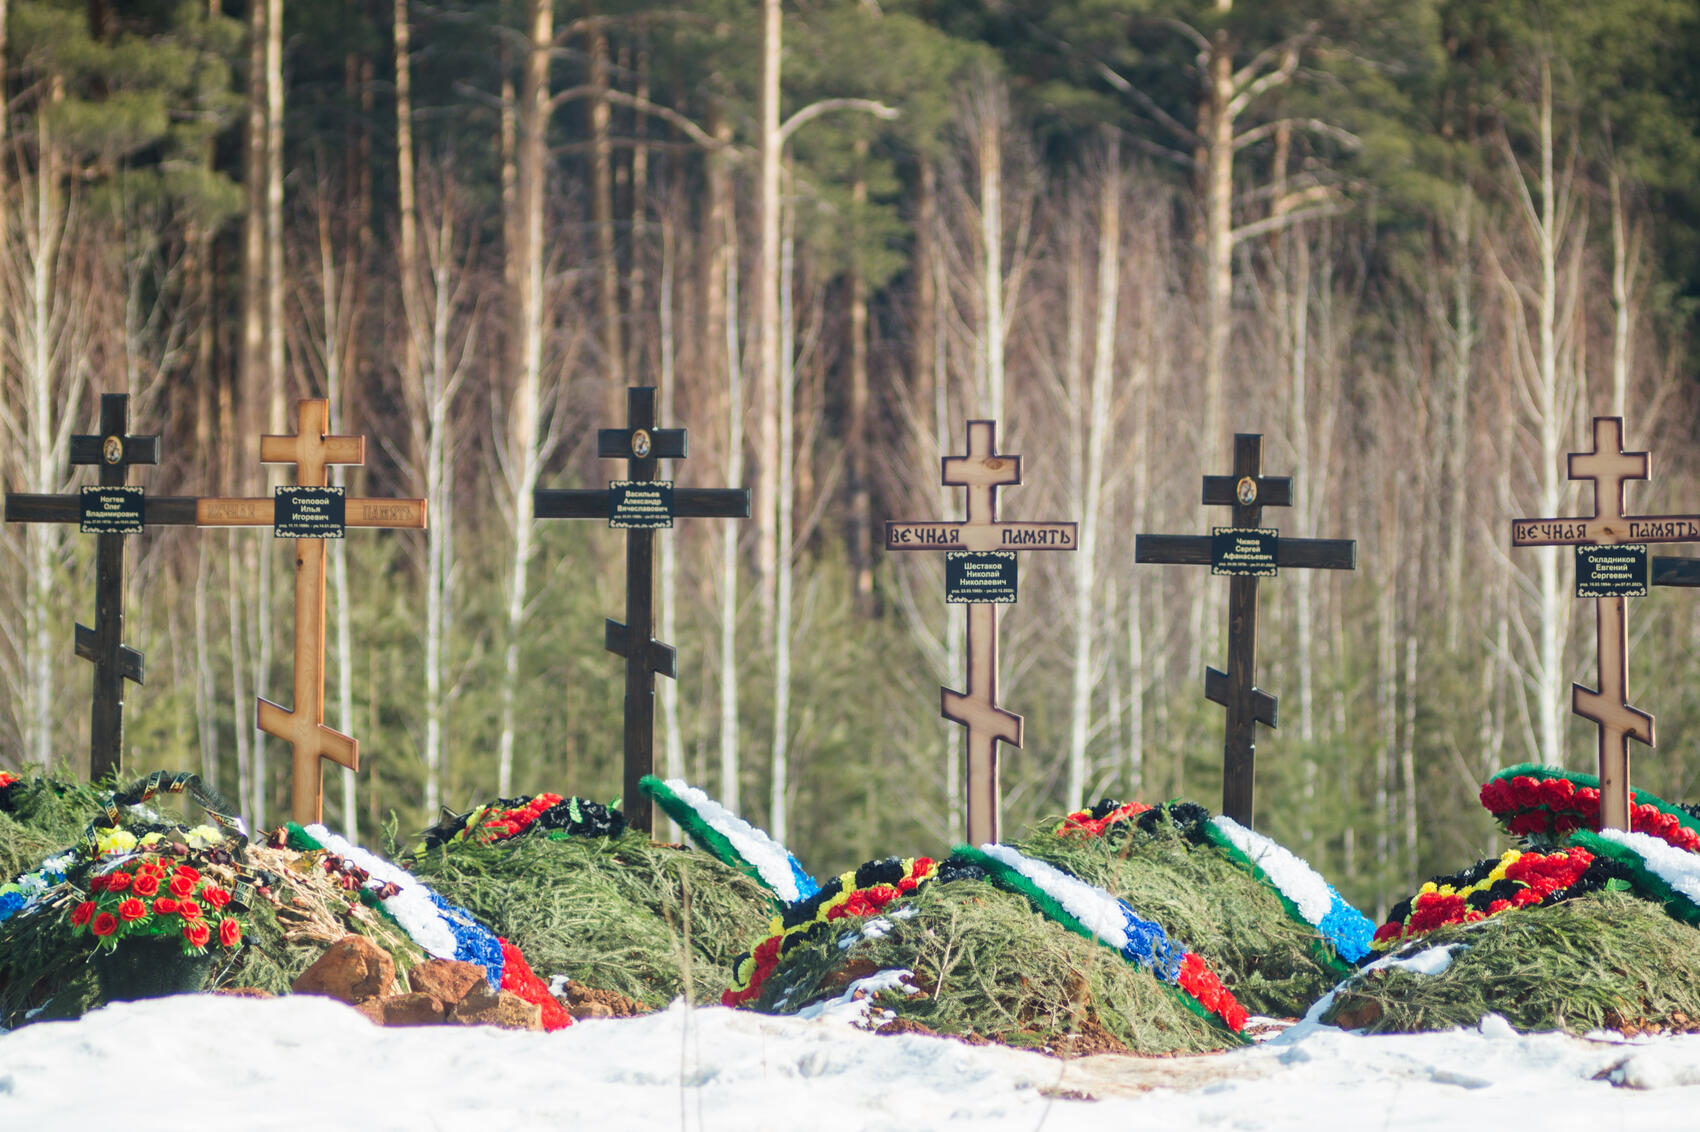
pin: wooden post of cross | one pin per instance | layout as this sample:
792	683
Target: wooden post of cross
1611	577
1246	551
309	513
980	572
111	511
640	505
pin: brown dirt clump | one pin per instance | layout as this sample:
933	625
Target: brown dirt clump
591	1002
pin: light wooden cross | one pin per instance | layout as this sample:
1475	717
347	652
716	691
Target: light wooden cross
1248	492
311	449
114	451
641	445
982	471
1609	466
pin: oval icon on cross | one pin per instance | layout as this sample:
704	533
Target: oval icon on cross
112	450
1246	490
640	443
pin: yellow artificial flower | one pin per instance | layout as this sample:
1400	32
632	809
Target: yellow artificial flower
114	840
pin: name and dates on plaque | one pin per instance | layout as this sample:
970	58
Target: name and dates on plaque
308	512
640	505
980	575
1243	552
1624	570
108	510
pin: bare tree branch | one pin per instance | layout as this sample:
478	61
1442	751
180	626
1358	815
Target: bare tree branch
815	109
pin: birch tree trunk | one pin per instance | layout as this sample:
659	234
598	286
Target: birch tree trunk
767	282
1097	430
779	783
523	443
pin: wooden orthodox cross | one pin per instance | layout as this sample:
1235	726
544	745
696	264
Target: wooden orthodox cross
1611	577
640	505
980	572
110	511
1245	551
309	513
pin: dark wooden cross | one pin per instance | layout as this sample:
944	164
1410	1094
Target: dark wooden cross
311	449
1248	492
112	515
982	471
1609	466
640	505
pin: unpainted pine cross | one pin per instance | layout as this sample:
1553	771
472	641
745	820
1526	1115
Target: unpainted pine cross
114	451
982	471
1609	466
311	449
641	445
1248	492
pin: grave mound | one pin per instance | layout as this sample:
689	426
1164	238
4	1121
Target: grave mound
1130	927
587	899
138	902
1577	930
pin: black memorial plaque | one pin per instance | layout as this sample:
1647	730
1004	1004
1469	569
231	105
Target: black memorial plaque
640	505
1246	552
308	512
980	576
1622	570
110	510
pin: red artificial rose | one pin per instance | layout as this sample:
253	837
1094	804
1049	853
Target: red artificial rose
189	871
768	949
923	866
215	896
229	932
97	884
181	885
105	924
82	913
1535	821
165	906
1526	897
145	884
117	882
1496	796
197	933
132	910
1234	1015
1391	930
1498	906
189	910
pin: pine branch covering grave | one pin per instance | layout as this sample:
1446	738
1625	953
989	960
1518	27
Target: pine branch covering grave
1272	962
1583	964
611	913
985	964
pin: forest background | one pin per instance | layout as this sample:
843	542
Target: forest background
1414	243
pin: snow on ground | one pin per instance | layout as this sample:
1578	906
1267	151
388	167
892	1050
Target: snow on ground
301	1062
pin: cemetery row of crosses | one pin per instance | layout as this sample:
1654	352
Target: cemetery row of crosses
1182	925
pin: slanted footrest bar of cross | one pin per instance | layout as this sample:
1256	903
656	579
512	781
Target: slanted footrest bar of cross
978	715
1216	691
323	742
130	661
1609	712
657	657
